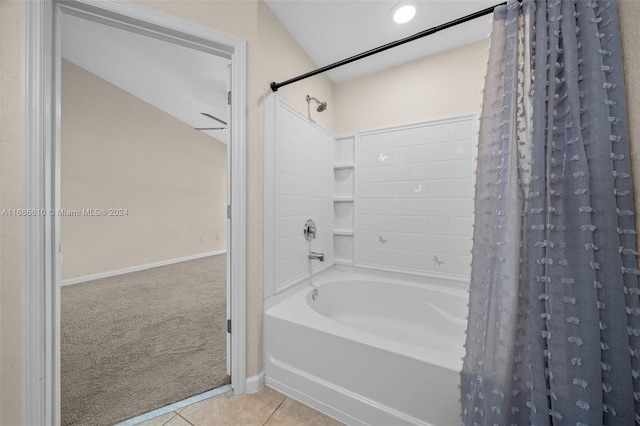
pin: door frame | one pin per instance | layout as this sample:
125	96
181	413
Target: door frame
41	278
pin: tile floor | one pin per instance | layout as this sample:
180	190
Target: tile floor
265	408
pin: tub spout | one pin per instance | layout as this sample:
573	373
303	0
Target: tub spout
318	256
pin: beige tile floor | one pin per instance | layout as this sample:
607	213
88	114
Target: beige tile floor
265	408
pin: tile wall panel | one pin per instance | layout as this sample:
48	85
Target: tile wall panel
414	192
304	190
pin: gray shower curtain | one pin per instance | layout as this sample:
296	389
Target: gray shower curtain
554	326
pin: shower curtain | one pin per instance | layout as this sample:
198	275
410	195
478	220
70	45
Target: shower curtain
553	334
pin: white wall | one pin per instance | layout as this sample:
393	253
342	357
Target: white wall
298	187
11	228
444	85
118	152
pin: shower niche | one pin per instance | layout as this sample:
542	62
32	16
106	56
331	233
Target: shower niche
343	199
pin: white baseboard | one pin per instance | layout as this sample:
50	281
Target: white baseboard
255	383
139	268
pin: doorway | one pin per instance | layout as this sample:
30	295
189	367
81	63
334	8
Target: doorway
45	235
143	197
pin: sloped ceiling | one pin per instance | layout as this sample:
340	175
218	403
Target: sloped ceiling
185	82
331	30
180	81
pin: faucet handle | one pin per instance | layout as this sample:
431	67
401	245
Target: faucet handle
310	230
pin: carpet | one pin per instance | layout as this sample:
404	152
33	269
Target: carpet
136	342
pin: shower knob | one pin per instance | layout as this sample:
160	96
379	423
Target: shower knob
310	230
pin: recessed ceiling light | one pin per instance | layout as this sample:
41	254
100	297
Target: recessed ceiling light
403	12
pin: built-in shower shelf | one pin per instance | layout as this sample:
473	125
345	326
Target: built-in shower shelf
344	172
343	166
343	199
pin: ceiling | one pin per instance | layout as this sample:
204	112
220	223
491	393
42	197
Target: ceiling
180	81
184	82
332	30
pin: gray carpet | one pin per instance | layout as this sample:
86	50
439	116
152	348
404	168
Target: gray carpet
139	341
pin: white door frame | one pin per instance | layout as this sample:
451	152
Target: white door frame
41	290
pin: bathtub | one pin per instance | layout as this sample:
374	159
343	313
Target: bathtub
370	350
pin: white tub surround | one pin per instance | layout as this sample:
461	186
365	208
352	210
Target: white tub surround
397	199
370	350
414	198
298	186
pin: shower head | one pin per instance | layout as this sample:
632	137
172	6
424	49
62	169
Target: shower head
321	105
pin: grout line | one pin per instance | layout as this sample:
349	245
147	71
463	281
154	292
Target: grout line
170	419
176	405
274	411
183	418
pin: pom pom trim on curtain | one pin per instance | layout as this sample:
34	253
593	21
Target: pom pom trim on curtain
554	325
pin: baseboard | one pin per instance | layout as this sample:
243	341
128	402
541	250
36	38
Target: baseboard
139	268
255	383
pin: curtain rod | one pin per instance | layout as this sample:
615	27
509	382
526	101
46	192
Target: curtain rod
275	86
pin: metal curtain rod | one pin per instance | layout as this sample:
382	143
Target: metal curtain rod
275	86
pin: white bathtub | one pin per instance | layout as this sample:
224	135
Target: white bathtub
370	350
